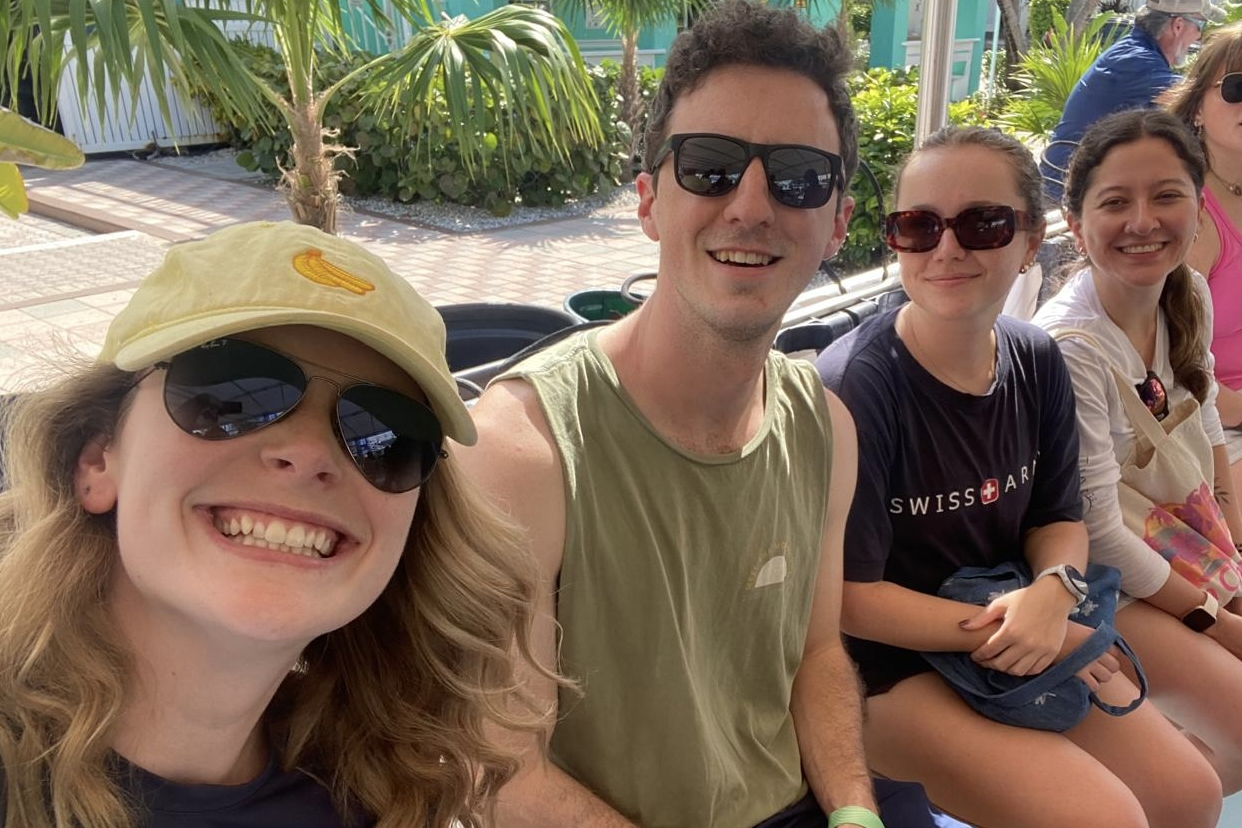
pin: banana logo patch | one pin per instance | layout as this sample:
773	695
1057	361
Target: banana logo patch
313	266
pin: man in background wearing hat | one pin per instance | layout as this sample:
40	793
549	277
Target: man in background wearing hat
1128	75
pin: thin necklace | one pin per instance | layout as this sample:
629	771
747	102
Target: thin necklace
1236	189
939	372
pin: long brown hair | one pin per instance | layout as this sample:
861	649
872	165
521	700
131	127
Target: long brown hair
1221	53
1184	309
389	711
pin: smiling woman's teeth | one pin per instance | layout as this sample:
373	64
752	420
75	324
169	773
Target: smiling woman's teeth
275	534
1142	248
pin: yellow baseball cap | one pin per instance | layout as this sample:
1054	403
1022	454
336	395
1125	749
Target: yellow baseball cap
263	274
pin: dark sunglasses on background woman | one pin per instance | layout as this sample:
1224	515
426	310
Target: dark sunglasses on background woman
976	228
1231	87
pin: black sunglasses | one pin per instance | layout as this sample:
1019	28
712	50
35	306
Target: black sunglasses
712	165
229	387
1198	22
1231	87
976	228
1151	392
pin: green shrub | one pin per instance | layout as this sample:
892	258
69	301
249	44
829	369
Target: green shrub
1039	23
426	164
1049	73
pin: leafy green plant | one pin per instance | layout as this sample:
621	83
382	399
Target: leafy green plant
24	142
514	57
860	16
1048	73
885	101
1041	15
393	161
626	20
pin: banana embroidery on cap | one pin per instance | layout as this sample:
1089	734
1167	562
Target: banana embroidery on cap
311	264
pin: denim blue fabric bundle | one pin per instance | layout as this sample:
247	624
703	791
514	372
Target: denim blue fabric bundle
1055	699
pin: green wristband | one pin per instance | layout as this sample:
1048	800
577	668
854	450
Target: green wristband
854	815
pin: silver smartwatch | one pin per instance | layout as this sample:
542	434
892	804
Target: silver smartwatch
1071	579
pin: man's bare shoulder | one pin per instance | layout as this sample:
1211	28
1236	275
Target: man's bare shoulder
517	463
513	433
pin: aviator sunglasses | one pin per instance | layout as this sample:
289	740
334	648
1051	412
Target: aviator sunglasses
976	228
229	387
706	164
1199	23
1231	87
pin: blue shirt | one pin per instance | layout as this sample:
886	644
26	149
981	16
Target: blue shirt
1129	75
947	479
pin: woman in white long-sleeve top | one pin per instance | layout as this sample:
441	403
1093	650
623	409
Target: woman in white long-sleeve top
1137	311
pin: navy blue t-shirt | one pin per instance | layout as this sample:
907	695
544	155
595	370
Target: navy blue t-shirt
948	479
275	799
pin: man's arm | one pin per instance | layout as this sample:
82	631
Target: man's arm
516	462
826	703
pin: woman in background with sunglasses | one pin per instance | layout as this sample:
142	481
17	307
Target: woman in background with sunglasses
1135	313
968	457
241	581
1210	100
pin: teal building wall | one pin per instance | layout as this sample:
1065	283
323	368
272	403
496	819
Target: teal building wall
890	23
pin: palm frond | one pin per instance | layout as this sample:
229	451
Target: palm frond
112	44
513	57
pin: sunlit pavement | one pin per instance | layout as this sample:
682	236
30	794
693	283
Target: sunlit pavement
61	285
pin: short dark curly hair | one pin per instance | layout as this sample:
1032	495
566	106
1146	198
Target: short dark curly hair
748	33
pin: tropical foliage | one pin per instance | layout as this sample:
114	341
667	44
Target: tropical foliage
514	59
1048	73
1039	20
388	161
625	20
23	142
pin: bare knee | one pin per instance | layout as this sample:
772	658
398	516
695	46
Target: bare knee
1114	809
1188	797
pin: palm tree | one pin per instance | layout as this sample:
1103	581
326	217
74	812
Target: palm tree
1015	35
625	20
1079	13
23	142
515	53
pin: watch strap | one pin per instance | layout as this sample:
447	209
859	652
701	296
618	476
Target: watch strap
1062	573
1203	617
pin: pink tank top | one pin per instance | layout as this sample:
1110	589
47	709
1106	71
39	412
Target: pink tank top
1225	283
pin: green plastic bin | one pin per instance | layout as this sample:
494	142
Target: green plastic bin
598	305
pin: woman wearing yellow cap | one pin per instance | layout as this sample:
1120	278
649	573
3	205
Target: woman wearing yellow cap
241	581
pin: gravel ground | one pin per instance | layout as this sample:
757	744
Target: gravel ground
452	218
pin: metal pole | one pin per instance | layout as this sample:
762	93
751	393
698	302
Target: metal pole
996	26
935	67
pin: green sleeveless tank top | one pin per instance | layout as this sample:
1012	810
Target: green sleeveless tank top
684	596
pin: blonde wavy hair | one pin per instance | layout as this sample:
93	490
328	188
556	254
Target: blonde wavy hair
390	711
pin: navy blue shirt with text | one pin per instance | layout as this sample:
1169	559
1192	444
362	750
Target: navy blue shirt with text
948	479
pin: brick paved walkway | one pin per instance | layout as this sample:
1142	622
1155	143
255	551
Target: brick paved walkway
60	285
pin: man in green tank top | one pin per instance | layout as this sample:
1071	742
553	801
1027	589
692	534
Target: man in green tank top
685	487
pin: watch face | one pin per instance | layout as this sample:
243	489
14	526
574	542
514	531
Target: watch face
1198	619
